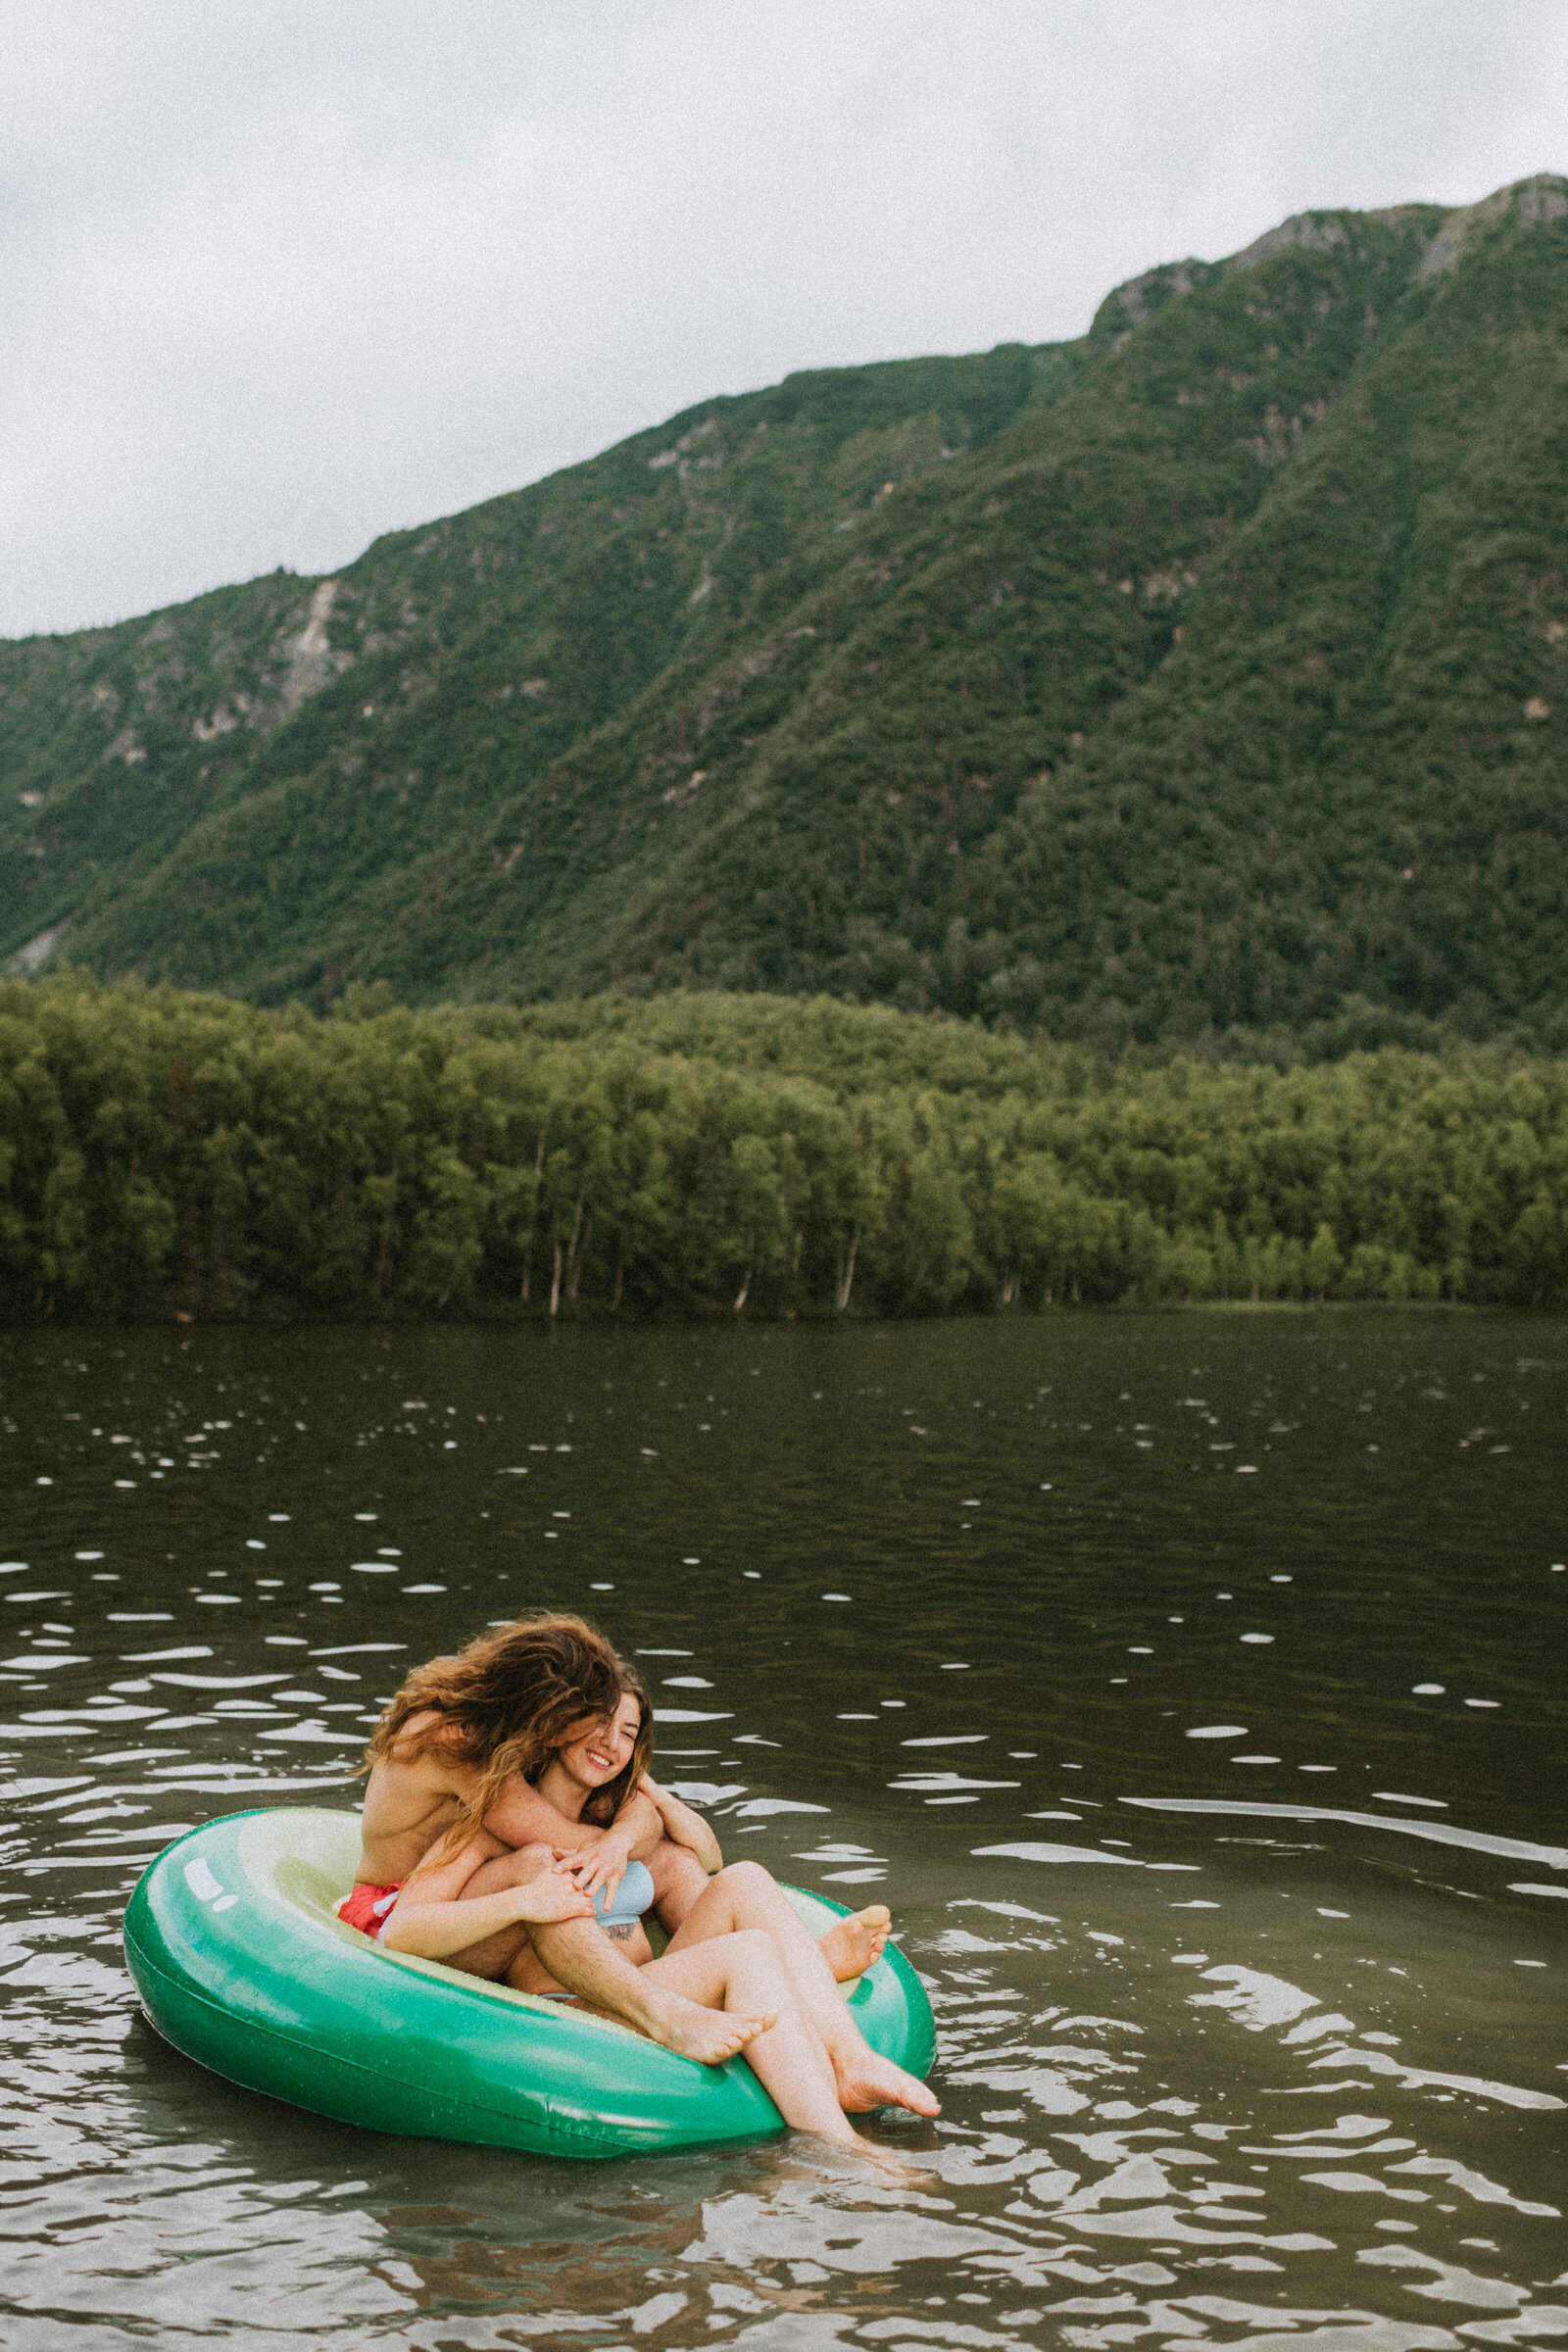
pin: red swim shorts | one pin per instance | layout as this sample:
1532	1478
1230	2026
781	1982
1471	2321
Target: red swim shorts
367	1906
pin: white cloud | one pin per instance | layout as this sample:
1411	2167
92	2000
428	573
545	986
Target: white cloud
285	276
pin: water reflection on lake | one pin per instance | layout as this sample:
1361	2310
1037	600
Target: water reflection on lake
1191	1685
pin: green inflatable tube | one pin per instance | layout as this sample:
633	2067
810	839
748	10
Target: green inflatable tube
241	1962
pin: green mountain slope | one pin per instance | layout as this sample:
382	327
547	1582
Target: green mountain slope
1200	675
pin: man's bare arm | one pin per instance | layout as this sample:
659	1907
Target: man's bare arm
682	1827
521	1816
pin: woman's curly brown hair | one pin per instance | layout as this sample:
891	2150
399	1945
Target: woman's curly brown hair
506	1704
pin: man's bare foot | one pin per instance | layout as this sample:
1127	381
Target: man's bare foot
709	2036
852	1945
868	2081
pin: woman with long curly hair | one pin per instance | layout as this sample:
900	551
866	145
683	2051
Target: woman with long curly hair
512	1829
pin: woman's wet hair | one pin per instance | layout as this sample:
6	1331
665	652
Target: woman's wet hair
506	1703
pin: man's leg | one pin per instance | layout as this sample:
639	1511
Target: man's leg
579	1955
746	1896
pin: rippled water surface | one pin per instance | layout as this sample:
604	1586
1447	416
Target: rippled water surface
1191	1686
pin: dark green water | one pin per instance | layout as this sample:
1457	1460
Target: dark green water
1191	1686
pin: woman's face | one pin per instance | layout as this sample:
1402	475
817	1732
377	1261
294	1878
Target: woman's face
600	1747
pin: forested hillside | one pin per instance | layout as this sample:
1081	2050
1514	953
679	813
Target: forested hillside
1201	678
165	1152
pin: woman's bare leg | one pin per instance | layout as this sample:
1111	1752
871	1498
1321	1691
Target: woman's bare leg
746	1896
678	1880
744	1970
849	1946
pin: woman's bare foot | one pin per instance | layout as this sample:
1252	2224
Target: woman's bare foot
868	2081
899	2165
852	1945
709	2036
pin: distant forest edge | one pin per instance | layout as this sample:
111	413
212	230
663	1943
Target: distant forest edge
1205	676
163	1155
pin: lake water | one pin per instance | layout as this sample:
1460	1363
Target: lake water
1191	1685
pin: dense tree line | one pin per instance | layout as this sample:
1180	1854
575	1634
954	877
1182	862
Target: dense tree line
167	1153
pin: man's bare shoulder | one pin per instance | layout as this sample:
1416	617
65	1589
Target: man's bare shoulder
422	1770
430	1738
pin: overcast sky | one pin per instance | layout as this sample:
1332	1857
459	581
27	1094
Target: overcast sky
285	274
